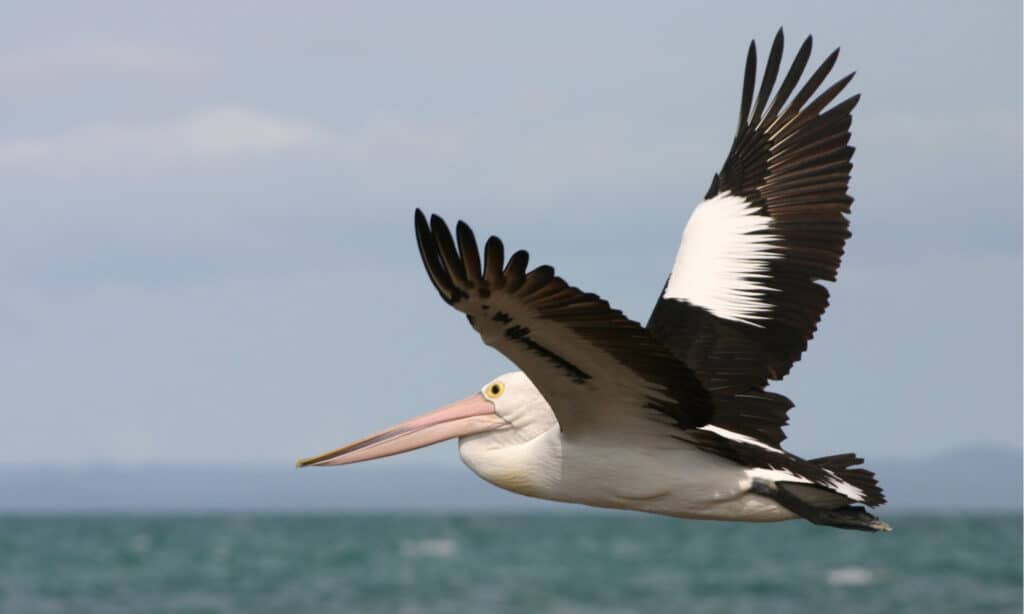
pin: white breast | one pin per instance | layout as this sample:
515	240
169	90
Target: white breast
653	473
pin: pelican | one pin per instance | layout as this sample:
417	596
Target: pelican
671	418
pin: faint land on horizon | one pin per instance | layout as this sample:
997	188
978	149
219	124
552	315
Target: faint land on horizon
967	479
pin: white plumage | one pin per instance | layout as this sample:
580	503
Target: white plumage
722	263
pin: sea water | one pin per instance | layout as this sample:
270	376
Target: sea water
491	562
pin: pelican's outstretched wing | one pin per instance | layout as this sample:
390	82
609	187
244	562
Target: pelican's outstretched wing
577	350
743	298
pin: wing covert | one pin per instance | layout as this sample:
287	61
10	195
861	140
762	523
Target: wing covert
571	344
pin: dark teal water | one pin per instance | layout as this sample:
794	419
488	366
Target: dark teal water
503	563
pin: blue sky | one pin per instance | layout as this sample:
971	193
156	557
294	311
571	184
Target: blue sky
206	245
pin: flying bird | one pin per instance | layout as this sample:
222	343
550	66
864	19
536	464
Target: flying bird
670	418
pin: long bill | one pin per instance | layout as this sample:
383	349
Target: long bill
469	416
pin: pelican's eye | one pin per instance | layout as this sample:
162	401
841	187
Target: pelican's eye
495	390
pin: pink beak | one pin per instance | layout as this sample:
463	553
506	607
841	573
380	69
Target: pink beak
467	417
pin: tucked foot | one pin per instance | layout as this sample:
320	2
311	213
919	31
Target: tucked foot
794	497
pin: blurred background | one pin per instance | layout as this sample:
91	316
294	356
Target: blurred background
209	270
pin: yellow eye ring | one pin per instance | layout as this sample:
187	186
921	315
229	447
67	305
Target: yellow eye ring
494	390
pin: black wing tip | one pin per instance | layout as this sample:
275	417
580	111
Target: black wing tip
847	78
419	220
845	108
454	265
431	261
437	223
515	269
778	40
444	265
423	231
465	236
493	240
831	59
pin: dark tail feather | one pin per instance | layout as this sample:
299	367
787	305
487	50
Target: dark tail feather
840	464
819	505
826	506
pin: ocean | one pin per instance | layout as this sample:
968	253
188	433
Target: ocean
502	562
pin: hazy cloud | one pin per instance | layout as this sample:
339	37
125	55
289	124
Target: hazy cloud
218	133
59	62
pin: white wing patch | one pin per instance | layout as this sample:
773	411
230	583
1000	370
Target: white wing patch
724	255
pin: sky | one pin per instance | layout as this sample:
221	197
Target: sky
206	239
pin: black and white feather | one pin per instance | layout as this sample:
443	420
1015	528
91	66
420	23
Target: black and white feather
743	298
837	479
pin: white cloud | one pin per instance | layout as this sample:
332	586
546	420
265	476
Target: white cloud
230	131
26	150
218	133
60	62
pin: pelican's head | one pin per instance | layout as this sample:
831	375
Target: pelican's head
507	412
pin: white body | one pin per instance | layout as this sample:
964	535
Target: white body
645	469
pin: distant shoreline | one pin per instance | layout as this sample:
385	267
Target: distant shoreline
184	514
977	480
